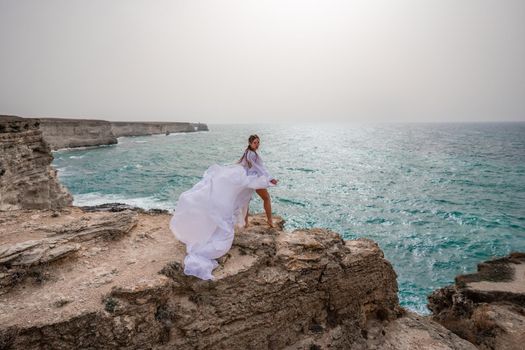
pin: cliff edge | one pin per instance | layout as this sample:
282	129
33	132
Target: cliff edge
27	179
83	278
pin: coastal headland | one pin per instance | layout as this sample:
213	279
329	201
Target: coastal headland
69	133
111	276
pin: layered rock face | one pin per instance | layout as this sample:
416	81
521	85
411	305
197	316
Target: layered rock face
123	287
488	307
27	179
70	133
150	128
66	133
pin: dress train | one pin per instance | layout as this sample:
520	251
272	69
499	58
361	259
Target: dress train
205	216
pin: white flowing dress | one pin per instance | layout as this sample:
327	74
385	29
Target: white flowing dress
205	216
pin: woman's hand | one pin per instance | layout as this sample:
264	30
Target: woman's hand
274	181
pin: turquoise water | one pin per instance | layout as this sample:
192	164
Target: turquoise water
438	198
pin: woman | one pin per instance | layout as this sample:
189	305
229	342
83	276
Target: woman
205	215
254	165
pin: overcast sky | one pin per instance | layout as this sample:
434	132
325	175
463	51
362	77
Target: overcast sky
222	61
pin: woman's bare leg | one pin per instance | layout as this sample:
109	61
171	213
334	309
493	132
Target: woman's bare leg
246	218
265	196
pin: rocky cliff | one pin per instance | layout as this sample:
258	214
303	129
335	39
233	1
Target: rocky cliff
27	179
488	307
66	133
150	128
69	133
78	278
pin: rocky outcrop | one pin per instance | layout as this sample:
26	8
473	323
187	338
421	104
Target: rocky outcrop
27	179
124	288
488	307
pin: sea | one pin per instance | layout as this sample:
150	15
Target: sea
438	198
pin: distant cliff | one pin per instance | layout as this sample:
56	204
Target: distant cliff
65	133
27	180
69	133
150	128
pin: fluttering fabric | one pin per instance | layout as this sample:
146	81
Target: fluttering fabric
254	165
205	216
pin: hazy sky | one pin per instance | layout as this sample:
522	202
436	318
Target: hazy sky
264	61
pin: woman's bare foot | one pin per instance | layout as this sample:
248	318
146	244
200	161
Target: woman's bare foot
270	223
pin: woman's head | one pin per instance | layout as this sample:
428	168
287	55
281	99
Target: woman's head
253	142
253	145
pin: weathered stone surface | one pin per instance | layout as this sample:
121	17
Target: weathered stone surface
109	226
274	289
413	331
409	331
268	296
488	307
24	258
27	179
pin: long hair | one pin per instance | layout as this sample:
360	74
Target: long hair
249	148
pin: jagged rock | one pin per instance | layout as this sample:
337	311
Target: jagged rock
282	287
21	259
27	179
488	307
